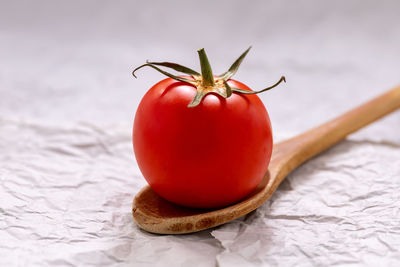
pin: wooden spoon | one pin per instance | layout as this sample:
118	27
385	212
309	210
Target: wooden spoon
154	214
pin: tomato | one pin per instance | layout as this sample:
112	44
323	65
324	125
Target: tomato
207	156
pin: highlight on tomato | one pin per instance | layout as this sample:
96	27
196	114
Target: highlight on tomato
201	140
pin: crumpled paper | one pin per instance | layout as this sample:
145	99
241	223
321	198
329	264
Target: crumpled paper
66	193
65	200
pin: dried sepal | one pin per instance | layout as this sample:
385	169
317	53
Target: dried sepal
228	89
176	67
197	98
181	79
234	89
235	66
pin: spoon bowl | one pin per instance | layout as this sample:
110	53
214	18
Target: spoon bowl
157	215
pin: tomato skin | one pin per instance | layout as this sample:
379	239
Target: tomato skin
208	156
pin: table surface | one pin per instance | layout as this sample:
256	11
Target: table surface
67	102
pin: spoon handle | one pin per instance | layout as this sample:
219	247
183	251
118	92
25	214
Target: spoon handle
293	152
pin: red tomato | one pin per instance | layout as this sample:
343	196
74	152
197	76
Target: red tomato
208	156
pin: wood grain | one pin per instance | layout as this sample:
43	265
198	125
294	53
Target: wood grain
154	214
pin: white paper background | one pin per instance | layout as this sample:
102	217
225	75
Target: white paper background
67	101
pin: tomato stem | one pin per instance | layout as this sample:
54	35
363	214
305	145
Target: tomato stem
205	82
206	71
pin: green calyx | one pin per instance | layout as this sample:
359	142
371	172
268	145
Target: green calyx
206	82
